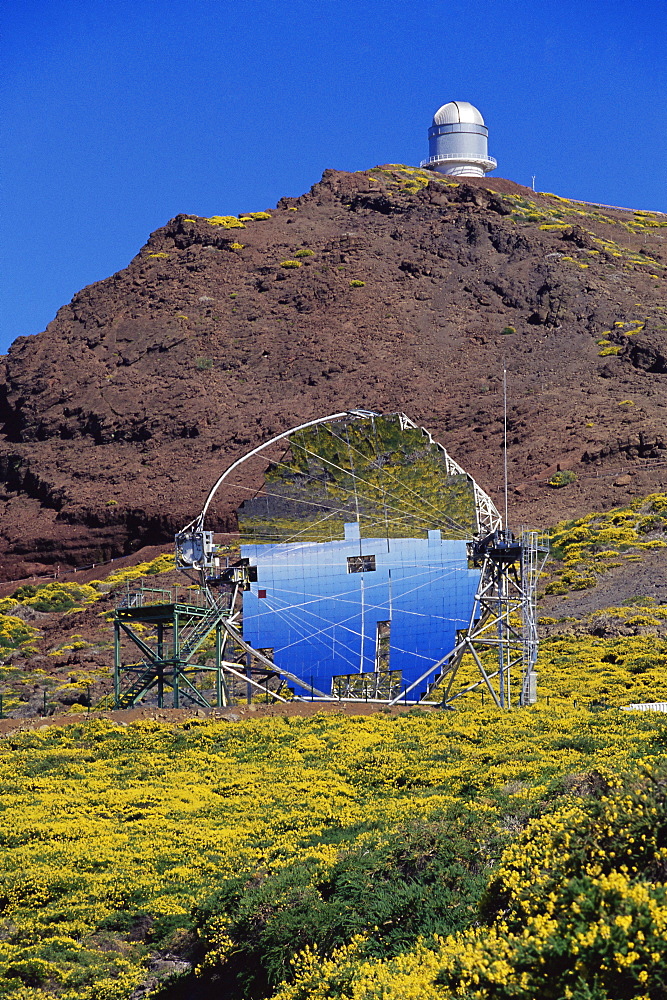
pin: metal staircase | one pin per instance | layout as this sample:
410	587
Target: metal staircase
167	633
191	637
141	684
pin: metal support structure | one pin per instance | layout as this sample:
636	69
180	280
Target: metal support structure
503	622
220	683
167	635
160	658
116	663
534	554
176	687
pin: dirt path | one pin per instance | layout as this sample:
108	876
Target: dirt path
179	716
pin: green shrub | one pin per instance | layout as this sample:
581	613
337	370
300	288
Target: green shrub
508	330
203	364
304	253
357	284
563	478
290	263
422	880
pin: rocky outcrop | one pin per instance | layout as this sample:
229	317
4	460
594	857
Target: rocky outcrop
411	293
648	354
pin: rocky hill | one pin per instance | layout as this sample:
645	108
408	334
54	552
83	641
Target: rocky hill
390	289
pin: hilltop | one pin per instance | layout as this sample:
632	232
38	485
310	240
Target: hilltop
389	288
394	290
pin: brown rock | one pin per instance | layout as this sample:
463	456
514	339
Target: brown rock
117	418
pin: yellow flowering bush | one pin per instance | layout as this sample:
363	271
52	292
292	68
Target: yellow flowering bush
153	567
584	549
612	349
115	837
577	909
226	221
579	905
55	596
616	670
14	633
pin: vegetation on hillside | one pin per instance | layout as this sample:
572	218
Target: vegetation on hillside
586	548
45	661
577	909
472	854
240	846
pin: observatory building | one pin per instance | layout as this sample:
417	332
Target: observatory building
458	142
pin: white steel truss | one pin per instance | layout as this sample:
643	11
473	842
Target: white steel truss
503	620
504	615
488	516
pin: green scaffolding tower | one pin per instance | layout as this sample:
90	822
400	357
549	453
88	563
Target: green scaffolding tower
168	632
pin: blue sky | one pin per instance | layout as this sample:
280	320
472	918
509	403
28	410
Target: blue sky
119	114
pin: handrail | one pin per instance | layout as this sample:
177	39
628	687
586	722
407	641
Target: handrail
459	156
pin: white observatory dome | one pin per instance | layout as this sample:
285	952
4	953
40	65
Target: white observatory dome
457	111
458	142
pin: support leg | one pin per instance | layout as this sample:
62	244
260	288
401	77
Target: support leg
116	665
220	685
177	661
160	665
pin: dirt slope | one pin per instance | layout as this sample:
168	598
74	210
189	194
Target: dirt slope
118	417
